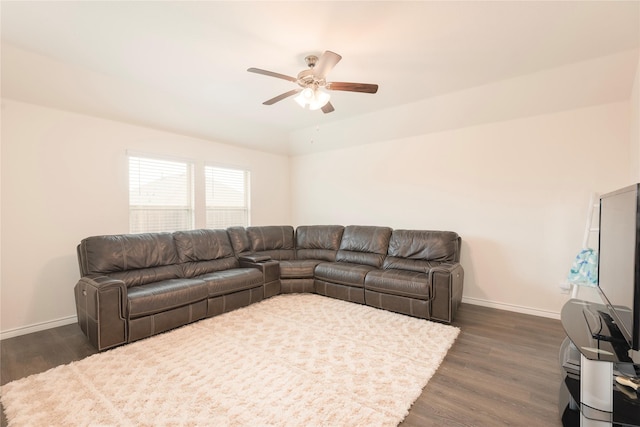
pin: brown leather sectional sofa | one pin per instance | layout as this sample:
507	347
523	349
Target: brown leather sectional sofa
137	285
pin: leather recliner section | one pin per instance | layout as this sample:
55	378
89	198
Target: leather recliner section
420	265
314	244
362	249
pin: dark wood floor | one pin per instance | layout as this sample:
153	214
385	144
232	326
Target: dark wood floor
502	370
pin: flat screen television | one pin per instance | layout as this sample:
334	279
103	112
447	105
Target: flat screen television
619	260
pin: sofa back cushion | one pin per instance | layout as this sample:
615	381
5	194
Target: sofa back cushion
134	258
364	245
239	240
204	251
275	241
419	250
318	241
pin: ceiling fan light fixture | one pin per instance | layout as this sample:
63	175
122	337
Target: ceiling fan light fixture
313	81
315	99
305	97
320	99
300	100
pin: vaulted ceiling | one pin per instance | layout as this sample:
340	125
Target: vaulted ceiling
181	66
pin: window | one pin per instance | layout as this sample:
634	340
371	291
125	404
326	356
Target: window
160	195
170	195
227	197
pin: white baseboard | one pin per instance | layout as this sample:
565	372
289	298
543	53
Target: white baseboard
23	330
512	307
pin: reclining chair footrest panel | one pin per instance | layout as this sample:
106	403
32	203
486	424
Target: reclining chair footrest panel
399	304
224	303
147	326
334	290
297	286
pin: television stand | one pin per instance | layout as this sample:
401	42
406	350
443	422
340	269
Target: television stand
614	335
591	357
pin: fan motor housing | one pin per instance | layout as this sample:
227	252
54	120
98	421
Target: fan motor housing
306	78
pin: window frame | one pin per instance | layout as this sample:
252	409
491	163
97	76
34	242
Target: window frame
197	190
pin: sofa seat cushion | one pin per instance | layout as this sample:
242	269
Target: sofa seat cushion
230	281
299	268
152	298
409	284
343	273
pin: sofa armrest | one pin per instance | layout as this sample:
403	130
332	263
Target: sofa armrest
101	304
270	273
446	290
446	268
254	258
270	268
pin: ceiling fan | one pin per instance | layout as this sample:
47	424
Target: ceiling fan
313	83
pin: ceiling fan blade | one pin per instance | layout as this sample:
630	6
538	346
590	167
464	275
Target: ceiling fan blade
271	74
281	97
327	108
353	87
325	63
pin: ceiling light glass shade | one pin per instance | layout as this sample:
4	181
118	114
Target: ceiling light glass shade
304	97
320	100
315	99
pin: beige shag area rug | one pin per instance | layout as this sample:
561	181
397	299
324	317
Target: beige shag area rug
291	360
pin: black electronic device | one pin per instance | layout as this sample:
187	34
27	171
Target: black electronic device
619	260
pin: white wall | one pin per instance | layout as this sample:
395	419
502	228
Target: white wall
64	177
516	191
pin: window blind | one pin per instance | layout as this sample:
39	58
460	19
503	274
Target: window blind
160	195
227	197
